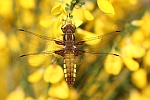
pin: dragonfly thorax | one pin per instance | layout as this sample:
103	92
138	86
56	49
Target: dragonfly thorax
69	37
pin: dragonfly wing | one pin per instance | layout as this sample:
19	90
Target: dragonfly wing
102	42
36	59
104	36
102	57
34	38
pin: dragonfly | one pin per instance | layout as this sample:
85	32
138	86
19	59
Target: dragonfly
69	51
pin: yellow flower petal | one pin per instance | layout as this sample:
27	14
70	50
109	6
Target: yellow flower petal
73	94
27	18
3	40
146	90
146	23
136	95
133	51
56	9
60	90
17	94
147	58
46	23
138	36
27	4
13	40
57	26
146	44
89	5
78	22
36	76
6	8
29	98
88	15
137	22
139	78
53	74
77	12
138	51
106	6
4	51
113	64
36	60
66	1
131	64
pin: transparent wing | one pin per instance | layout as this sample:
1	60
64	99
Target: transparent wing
34	38
100	57
101	51
111	35
93	62
103	57
101	43
36	59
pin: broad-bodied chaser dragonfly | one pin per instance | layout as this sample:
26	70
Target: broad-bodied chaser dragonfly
69	51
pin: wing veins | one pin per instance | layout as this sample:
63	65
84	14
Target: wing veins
101	36
105	53
38	35
31	54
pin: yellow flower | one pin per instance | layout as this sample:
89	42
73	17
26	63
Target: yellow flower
73	94
29	98
146	91
13	43
3	40
46	22
133	51
59	9
138	36
106	6
113	64
36	76
53	74
4	50
17	94
6	8
87	14
36	60
27	18
59	90
27	4
139	78
147	58
136	95
144	23
131	64
130	51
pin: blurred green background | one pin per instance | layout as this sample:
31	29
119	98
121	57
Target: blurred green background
127	80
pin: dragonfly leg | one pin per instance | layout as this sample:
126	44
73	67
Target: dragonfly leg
78	52
60	52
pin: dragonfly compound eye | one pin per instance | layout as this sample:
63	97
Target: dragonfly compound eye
68	32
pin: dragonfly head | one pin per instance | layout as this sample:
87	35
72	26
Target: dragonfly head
69	29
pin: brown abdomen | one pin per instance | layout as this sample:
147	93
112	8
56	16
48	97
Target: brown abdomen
69	69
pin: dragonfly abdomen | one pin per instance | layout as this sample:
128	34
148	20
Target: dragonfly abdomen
69	69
